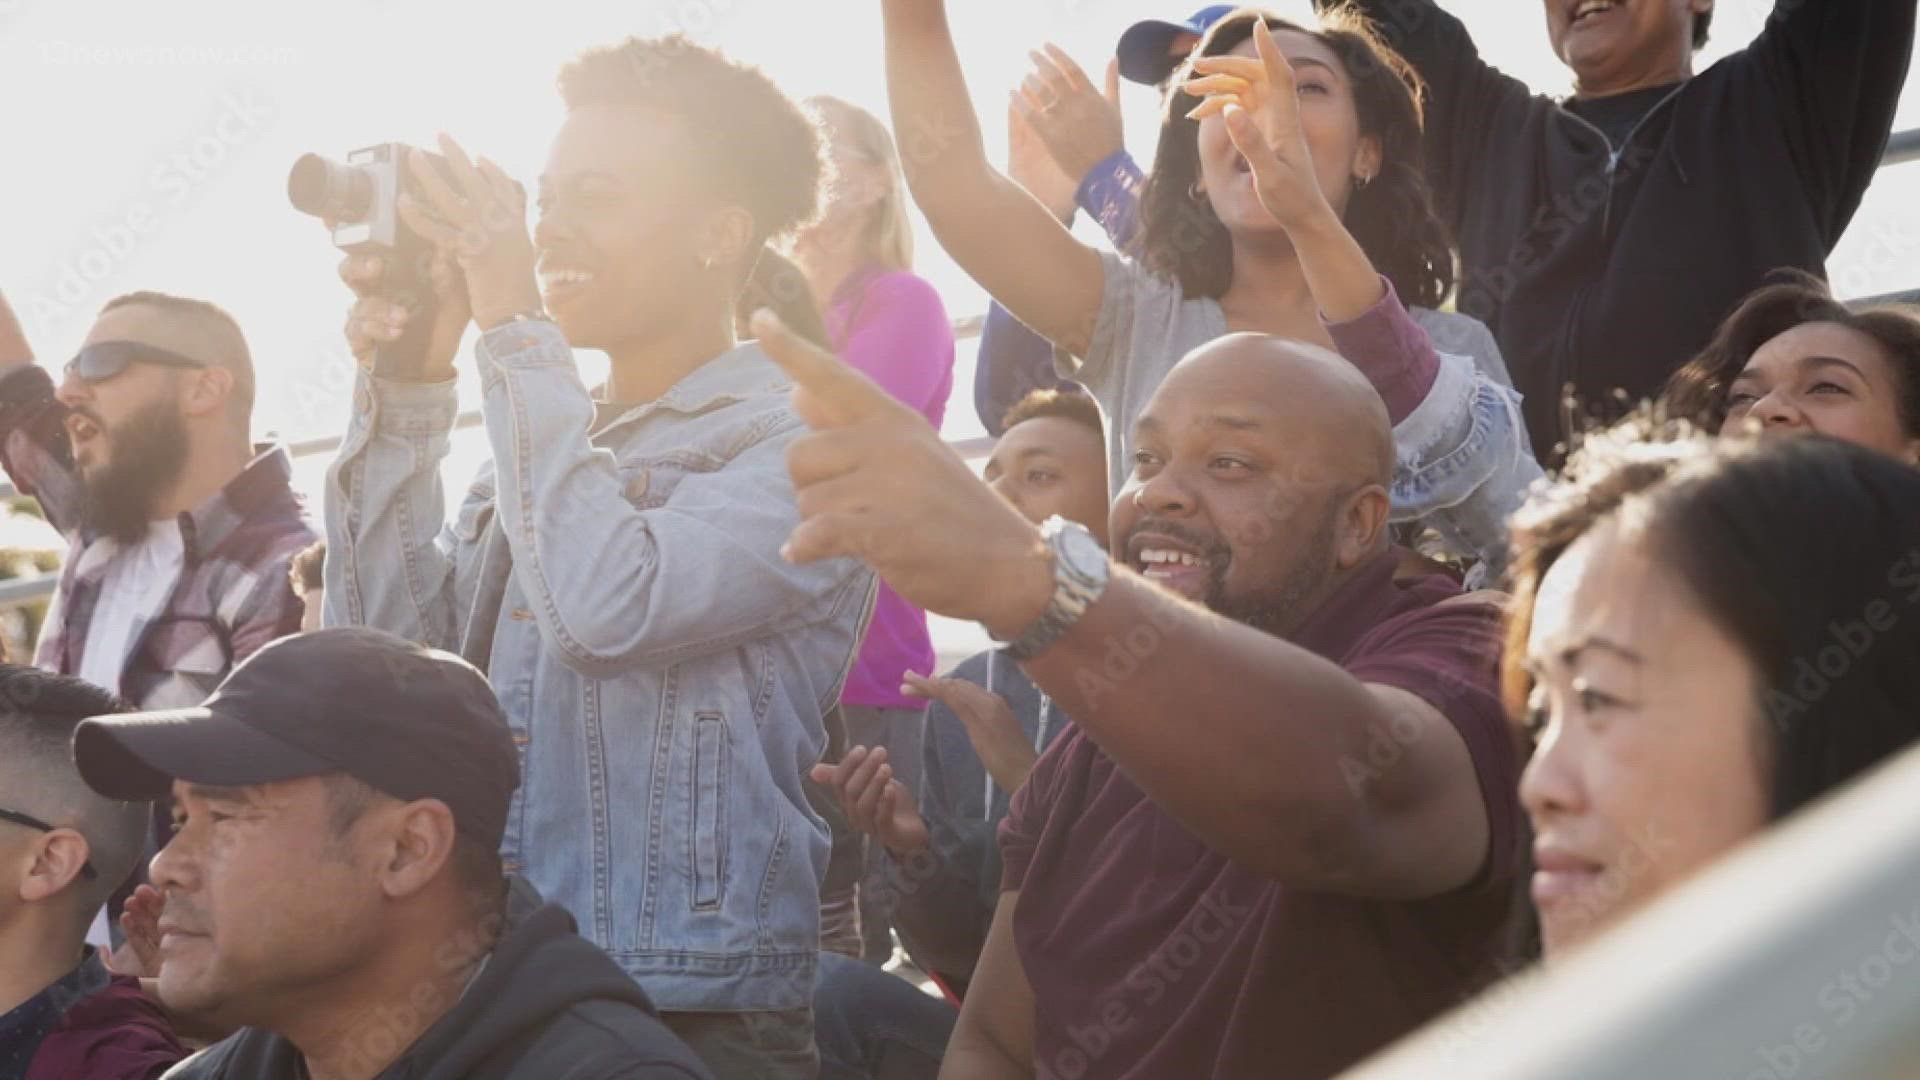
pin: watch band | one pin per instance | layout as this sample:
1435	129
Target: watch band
1080	573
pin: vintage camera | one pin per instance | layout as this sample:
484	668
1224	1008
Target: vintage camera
360	199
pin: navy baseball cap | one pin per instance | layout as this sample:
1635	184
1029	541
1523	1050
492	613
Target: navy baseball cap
1146	48
413	722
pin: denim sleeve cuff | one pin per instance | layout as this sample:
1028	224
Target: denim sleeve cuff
1391	350
405	406
522	344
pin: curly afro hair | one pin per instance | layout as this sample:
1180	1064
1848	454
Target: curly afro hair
761	151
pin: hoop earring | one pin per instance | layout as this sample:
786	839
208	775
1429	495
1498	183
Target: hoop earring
1194	192
1360	183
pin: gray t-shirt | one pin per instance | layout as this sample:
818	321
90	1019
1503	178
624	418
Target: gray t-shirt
1146	325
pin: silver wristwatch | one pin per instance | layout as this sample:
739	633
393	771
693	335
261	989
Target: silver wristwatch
1080	573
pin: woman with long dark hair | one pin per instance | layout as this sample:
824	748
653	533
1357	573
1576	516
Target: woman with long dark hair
1708	636
1287	199
1792	359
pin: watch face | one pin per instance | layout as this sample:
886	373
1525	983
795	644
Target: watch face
1083	553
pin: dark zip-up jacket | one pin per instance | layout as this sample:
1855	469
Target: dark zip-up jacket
547	1005
1606	267
947	895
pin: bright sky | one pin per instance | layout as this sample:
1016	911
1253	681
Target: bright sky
148	144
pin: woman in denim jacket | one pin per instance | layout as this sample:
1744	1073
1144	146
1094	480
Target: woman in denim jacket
616	568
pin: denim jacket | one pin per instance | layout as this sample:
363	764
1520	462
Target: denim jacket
665	672
1464	461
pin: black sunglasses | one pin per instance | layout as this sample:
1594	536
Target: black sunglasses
105	359
86	869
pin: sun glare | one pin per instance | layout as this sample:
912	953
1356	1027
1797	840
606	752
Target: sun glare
150	143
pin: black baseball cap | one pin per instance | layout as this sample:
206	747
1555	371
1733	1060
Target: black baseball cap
1146	48
413	722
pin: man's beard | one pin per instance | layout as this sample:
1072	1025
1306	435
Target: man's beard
1273	609
145	456
1278	608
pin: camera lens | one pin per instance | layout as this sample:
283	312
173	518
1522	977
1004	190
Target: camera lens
328	189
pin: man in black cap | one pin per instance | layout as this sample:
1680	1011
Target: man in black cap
332	887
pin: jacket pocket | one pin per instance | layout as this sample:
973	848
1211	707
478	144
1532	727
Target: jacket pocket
711	765
648	483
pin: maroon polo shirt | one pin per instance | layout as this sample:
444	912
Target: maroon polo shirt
1152	956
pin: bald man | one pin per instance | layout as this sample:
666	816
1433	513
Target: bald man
181	529
1284	831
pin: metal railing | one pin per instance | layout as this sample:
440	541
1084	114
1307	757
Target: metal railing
1902	147
965	328
25	590
1796	957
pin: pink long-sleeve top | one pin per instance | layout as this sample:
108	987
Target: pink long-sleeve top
891	325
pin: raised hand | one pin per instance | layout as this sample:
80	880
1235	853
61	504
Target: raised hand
1031	165
1079	124
480	217
875	803
375	317
992	728
140	921
874	482
14	349
1259	100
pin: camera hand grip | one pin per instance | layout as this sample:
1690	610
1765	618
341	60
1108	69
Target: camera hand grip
410	284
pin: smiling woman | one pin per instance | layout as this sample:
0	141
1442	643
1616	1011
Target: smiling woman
643	526
1360	111
1709	635
1793	359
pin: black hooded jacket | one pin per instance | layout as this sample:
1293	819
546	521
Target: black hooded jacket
1606	267
548	1005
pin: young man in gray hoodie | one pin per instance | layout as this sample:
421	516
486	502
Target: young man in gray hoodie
986	726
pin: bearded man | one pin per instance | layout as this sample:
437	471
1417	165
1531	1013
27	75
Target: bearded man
180	527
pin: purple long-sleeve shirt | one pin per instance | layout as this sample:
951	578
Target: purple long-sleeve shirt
891	325
1391	350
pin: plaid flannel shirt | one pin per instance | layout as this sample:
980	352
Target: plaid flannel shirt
232	595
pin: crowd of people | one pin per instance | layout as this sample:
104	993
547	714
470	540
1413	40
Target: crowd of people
1352	654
